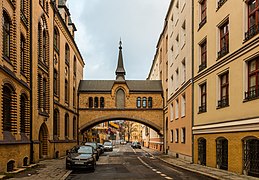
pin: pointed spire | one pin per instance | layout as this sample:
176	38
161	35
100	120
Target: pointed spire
120	71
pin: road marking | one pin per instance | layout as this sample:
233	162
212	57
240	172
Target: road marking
134	151
153	169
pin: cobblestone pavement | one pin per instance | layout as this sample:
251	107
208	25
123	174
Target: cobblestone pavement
207	171
47	169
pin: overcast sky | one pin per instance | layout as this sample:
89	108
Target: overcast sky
100	25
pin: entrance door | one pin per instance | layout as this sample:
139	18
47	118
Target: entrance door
43	138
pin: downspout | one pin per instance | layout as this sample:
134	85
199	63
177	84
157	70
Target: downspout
192	78
31	87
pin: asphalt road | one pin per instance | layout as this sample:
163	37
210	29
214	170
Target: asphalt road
128	164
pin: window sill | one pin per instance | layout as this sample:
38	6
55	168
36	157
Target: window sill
220	107
200	112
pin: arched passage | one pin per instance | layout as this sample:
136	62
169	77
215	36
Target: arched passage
96	121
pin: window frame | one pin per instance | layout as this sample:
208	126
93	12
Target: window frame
22	53
6	35
223	39
224	100
203	51
203	97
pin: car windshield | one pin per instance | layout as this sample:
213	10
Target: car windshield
91	144
107	143
84	150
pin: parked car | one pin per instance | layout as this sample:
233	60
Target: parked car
108	146
136	145
97	151
101	147
81	156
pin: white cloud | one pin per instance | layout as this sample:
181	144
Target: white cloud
100	25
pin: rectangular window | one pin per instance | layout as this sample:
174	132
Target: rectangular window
22	53
176	78
172	112
203	60
224	40
253	18
203	9
220	3
253	79
183	71
66	91
176	109
224	91
183	105
183	135
176	135
44	93
203	98
172	135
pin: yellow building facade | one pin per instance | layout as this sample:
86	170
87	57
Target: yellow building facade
40	71
226	133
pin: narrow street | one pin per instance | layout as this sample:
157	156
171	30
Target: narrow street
127	163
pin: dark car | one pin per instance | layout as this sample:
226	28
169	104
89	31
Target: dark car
136	145
101	147
97	151
81	156
108	146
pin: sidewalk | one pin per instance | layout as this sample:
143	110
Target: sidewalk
47	169
204	170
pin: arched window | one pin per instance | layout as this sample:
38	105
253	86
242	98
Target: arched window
90	102
39	42
66	91
39	91
120	99
150	102
6	35
67	54
44	91
138	102
66	125
55	82
56	124
202	151
102	102
22	51
23	111
74	128
7	106
56	39
22	6
75	65
144	102
44	47
96	102
222	153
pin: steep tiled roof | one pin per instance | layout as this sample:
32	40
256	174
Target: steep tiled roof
134	85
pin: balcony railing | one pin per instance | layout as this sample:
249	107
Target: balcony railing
202	66
252	94
223	51
202	108
220	3
224	102
203	21
252	31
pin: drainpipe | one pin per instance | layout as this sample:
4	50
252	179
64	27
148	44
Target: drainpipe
192	78
31	87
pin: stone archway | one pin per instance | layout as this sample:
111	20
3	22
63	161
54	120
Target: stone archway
43	139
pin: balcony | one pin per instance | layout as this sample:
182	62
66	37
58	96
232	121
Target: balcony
223	51
252	31
220	3
203	21
202	66
224	102
252	94
202	108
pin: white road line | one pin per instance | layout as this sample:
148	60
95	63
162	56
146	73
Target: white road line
134	150
155	170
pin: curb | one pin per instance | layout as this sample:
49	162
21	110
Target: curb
185	168
66	175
